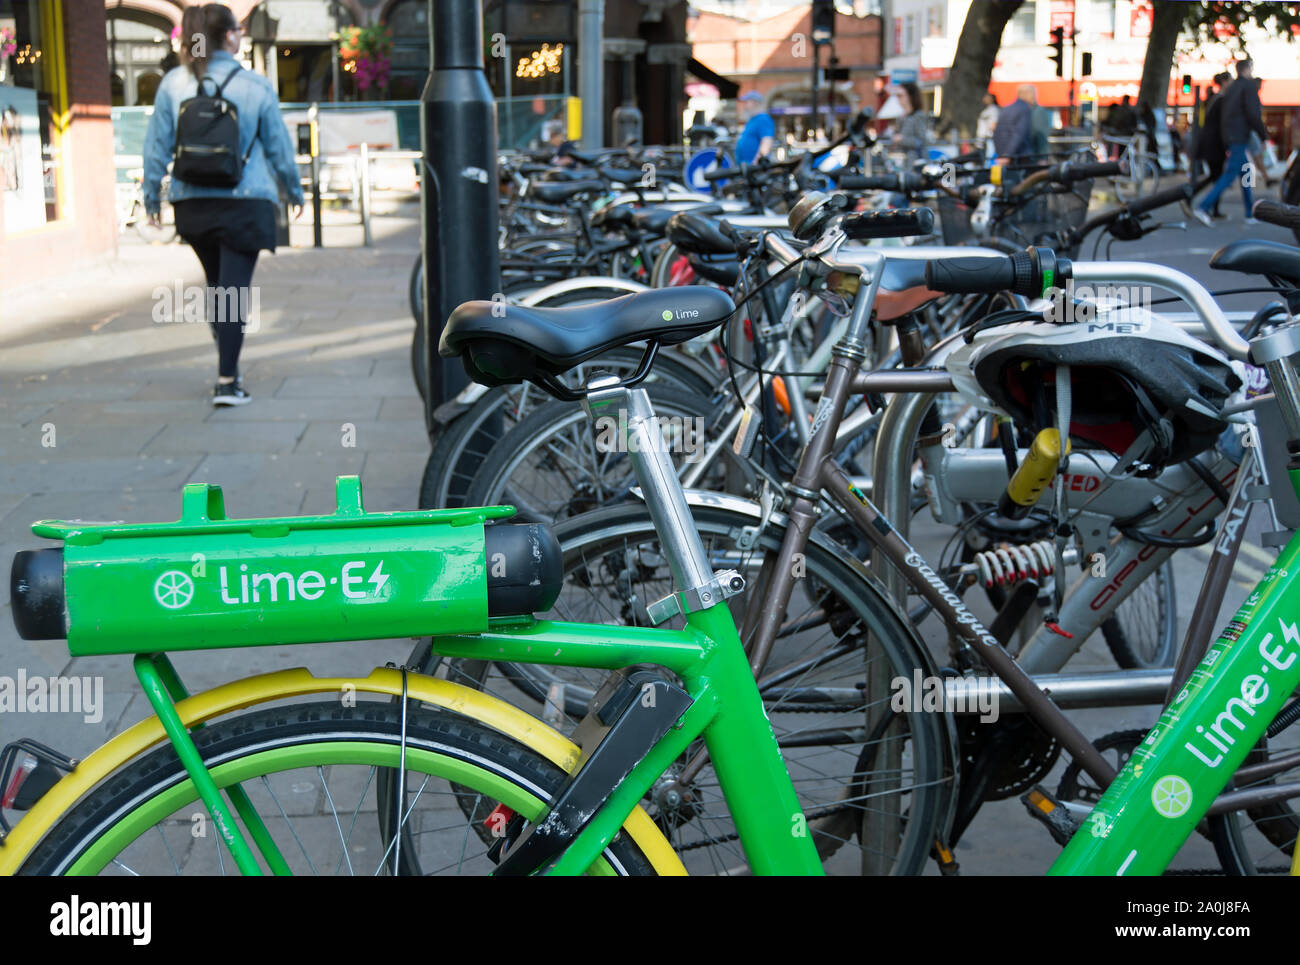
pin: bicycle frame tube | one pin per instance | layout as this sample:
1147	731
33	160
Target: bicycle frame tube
1201	738
728	712
727	709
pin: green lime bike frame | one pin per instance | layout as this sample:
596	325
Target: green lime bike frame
1175	774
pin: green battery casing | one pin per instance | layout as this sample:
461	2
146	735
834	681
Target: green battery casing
208	582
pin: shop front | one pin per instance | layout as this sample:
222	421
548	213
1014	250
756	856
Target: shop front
55	134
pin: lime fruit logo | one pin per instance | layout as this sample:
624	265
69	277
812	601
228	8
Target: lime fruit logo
174	589
667	315
1172	796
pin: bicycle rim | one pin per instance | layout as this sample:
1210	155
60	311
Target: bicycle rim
311	772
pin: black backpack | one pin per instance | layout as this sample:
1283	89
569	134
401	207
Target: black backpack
207	139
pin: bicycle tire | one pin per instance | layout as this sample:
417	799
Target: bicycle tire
460	448
1128	632
1261	839
110	821
554	464
855	609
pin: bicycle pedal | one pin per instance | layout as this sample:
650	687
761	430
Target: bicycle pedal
948	866
1051	813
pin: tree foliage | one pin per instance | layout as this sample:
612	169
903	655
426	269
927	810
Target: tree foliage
1206	22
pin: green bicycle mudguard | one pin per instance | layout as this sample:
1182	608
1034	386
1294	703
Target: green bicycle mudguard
208	582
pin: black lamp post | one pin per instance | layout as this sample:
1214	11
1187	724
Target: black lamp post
458	189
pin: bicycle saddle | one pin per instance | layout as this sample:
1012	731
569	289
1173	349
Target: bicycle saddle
501	344
621	175
557	192
694	233
655	220
1260	258
719	269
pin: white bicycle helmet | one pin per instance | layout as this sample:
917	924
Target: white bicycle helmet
1130	370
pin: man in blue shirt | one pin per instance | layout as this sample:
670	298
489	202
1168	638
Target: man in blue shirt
760	130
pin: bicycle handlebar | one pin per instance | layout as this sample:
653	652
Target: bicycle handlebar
1278	213
1026	273
899	223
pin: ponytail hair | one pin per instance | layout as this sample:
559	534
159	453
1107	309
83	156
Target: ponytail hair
203	29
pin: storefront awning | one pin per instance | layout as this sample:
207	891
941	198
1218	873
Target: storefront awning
727	89
1056	93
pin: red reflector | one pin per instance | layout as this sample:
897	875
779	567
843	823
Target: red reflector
497	821
16	782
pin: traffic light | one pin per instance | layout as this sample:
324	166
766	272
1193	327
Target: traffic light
1058	50
1085	64
1187	83
823	21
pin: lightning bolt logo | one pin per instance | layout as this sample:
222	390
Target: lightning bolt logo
378	578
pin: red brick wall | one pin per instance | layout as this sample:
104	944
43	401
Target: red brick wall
766	54
87	229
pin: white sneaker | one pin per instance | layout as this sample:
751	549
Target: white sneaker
1252	221
1203	216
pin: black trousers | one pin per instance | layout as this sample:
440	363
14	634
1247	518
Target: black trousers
1215	167
230	294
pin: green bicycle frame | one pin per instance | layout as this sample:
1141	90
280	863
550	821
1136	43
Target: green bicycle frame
728	712
1205	733
209	582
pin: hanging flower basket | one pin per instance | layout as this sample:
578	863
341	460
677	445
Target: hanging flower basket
366	52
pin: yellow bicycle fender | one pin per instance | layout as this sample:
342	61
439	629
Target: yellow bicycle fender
485	709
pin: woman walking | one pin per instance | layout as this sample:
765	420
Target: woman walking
912	134
227	226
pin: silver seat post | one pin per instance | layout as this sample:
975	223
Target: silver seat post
697	587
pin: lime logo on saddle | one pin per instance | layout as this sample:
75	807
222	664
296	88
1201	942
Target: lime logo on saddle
668	314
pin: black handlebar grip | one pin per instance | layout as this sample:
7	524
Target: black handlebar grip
721	173
1016	273
1278	213
899	223
1083	170
36	594
1182	192
869	182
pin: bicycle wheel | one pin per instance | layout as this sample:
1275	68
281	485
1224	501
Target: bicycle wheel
309	770
1262	839
1142	632
555	464
459	450
868	777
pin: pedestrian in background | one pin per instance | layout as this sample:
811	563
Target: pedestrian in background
1210	150
1241	114
759	135
912	130
1014	134
226	226
987	123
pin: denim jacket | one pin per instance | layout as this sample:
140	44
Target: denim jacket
259	120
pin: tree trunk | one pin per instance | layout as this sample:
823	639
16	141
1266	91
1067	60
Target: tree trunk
1166	24
972	64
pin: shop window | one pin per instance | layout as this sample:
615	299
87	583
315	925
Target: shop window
32	113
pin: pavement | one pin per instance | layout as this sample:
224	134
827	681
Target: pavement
105	414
